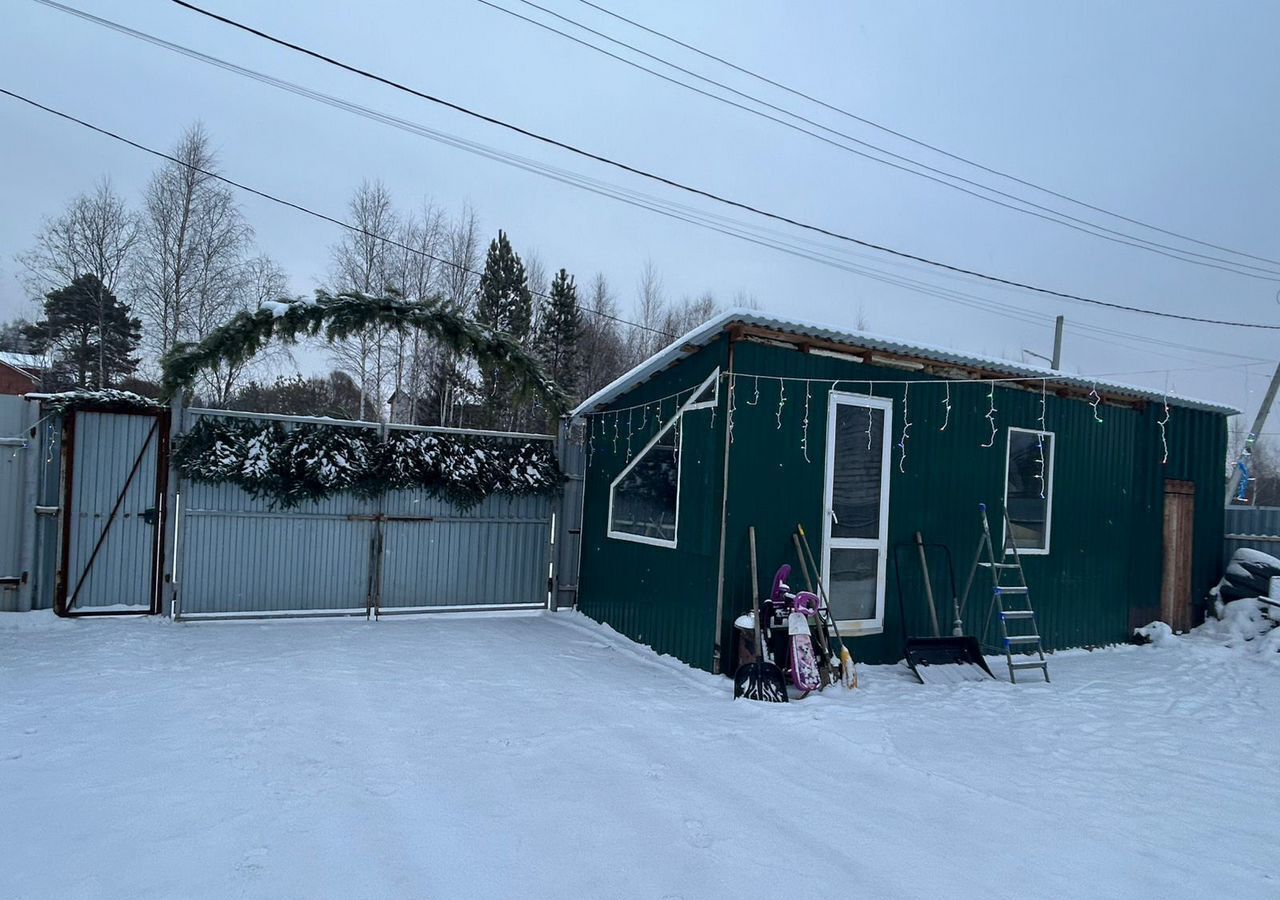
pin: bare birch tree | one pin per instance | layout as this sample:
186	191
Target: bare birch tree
193	240
452	382
364	261
651	304
604	352
417	272
260	279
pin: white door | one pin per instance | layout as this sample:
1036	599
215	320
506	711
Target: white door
856	506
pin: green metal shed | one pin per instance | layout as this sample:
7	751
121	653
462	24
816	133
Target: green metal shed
1115	492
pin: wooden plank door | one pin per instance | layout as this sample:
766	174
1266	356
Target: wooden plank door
1179	529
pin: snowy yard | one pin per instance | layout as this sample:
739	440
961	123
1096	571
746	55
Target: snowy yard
542	756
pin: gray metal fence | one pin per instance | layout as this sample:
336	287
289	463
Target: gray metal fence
403	552
1256	527
15	456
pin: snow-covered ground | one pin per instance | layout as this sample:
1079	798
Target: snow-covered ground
542	756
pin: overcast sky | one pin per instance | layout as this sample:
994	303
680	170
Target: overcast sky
1163	112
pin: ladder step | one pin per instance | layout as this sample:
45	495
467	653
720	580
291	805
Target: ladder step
1038	664
1011	589
987	565
1017	614
1022	639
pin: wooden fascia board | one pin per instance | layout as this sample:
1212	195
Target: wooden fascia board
948	371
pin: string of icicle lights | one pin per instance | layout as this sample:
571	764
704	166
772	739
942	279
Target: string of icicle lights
608	425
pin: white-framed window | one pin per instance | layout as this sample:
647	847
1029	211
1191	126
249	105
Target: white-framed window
644	500
1028	488
855	534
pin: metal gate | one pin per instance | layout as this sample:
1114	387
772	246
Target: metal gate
406	551
114	467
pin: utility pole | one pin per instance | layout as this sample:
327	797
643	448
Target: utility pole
1057	343
1242	463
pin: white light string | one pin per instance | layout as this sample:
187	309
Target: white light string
1164	435
906	429
871	392
1094	400
804	429
733	385
991	417
1040	437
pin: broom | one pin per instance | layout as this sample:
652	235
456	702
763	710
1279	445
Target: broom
846	658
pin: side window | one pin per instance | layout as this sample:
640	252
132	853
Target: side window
1028	488
645	498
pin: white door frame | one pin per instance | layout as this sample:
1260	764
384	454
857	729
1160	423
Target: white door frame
836	399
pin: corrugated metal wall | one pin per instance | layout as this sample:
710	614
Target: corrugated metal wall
17	417
1104	569
14	518
659	596
239	555
1254	527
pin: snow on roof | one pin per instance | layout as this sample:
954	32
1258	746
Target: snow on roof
706	333
30	362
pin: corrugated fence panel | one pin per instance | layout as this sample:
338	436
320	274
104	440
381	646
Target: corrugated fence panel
496	554
114	472
14	520
1255	527
241	555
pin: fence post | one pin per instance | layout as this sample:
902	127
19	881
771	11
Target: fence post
170	548
568	537
30	522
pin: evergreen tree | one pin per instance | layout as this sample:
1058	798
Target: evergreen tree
504	304
560	334
90	332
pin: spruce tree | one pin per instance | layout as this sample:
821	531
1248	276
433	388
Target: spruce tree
504	304
90	332
560	333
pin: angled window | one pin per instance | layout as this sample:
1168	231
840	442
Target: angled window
1028	488
644	500
646	497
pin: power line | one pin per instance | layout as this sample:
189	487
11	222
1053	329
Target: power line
919	143
1027	317
687	214
297	206
1037	210
707	194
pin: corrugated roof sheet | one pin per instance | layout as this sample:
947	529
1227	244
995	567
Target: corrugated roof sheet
29	362
707	332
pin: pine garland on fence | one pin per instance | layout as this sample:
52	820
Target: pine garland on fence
312	462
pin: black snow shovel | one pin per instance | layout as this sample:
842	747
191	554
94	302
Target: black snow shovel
759	680
939	659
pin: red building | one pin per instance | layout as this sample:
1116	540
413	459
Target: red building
20	372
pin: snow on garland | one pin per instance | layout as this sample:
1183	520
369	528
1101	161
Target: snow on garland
312	462
104	399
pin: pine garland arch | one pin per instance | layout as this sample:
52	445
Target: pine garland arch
338	316
296	465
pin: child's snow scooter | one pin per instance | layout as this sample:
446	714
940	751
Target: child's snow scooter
796	610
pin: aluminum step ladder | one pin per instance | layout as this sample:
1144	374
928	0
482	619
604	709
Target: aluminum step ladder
1010	599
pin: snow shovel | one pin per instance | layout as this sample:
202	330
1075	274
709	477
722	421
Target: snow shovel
762	679
937	659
